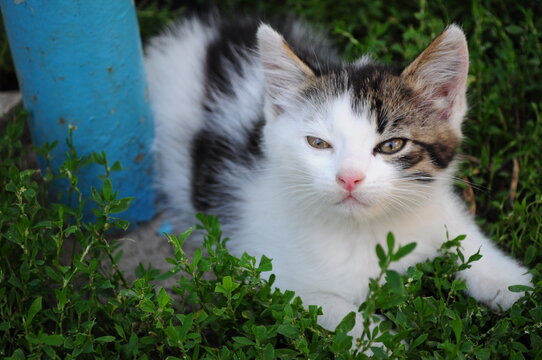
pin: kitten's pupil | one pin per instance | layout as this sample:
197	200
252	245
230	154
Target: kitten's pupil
391	146
318	143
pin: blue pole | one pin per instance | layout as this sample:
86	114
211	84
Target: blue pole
79	64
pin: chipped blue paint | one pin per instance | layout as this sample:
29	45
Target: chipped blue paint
79	63
165	228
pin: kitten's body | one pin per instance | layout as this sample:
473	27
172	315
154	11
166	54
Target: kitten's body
232	113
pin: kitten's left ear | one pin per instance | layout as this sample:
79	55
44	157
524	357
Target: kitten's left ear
440	72
285	73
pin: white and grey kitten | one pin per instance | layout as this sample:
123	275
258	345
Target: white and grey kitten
312	161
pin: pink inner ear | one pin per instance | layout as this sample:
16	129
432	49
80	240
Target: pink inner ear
446	94
453	85
444	91
448	91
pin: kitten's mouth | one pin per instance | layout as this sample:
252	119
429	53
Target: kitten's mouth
351	200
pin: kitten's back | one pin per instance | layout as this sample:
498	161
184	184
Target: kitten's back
176	73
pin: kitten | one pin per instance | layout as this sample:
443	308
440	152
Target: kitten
312	161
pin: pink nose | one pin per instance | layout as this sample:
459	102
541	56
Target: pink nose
350	181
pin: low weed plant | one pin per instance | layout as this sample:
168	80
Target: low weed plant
81	306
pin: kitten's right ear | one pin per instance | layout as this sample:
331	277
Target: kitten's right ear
440	72
285	72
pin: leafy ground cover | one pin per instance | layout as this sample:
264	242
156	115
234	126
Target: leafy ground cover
79	305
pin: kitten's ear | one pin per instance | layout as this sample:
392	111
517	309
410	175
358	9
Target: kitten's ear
439	73
285	72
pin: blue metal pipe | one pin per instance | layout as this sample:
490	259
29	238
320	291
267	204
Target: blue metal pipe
79	63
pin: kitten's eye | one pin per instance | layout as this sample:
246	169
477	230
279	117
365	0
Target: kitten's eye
318	143
391	146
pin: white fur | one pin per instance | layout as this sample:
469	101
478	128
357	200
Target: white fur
291	208
178	51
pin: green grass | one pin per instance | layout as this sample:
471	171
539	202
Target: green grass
81	306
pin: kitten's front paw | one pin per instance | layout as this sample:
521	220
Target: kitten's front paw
493	291
504	298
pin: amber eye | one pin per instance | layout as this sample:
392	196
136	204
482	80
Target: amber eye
318	143
391	146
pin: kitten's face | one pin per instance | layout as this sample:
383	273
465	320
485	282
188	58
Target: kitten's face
364	141
333	158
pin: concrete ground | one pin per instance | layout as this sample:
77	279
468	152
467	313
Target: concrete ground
145	245
8	100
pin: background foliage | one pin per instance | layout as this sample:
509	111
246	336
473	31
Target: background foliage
81	306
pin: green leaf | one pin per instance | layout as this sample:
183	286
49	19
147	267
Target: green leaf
147	306
105	339
380	253
260	332
395	281
265	264
457	326
196	258
288	330
341	342
484	353
71	230
53	340
43	224
347	323
98	157
163	298
520	288
460	237
536	313
458	285
35	307
288	311
514	29
474	257
96	195
243	340
391	301
107	190
219	288
188	320
53	275
219	311
132	345
121	205
519	347
227	285
404	251
18	354
268	352
419	340
116	166
390	240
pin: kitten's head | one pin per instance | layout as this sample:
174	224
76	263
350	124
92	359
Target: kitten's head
364	139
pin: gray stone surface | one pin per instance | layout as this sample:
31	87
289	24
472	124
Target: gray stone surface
145	245
8	100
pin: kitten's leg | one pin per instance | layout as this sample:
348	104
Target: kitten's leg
489	278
